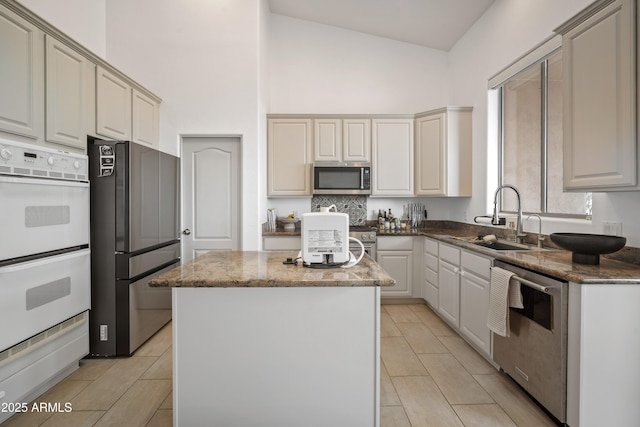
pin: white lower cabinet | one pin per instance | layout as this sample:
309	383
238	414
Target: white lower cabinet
281	243
475	271
395	256
456	286
449	284
430	273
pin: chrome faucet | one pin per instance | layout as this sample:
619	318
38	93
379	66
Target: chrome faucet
540	238
494	220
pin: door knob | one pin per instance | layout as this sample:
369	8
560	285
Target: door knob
186	231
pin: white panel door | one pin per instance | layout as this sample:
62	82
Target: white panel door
211	174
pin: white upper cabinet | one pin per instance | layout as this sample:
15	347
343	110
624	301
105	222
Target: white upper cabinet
443	152
52	91
327	145
342	140
289	157
145	119
599	117
356	138
69	100
392	157
113	108
124	112
22	80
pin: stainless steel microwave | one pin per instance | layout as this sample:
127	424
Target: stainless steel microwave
349	178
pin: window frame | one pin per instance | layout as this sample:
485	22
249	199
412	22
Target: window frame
539	57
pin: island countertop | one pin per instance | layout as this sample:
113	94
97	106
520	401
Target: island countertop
239	269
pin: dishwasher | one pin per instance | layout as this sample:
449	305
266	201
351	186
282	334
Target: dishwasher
535	353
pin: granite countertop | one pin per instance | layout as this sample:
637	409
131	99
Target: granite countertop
238	269
622	267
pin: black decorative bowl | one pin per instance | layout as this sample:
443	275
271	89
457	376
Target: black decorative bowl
587	248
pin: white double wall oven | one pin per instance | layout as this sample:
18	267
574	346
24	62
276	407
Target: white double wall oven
45	288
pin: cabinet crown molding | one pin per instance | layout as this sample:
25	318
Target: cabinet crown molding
586	13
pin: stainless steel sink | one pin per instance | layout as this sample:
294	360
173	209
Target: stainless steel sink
501	245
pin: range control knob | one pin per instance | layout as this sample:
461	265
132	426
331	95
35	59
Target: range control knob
51	161
5	153
76	165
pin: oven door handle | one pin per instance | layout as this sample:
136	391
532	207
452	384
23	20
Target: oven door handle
531	284
12	268
43	181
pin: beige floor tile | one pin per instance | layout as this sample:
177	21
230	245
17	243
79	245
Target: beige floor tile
398	357
106	390
162	369
388	327
138	405
424	403
437	326
91	369
162	418
514	401
457	385
168	402
393	416
401	313
74	419
61	394
137	390
490	415
420	338
157	344
467	356
418	307
388	395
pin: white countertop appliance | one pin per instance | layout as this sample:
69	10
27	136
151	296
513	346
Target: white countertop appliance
325	238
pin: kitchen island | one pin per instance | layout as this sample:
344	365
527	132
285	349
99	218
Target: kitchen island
260	343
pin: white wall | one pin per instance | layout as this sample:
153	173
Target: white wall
82	20
318	69
505	32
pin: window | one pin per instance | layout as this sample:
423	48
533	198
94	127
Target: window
531	141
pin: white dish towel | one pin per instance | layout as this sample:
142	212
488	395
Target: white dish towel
504	293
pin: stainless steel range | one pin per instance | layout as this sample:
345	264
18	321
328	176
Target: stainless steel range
367	235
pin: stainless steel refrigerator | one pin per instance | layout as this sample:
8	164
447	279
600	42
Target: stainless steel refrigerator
134	237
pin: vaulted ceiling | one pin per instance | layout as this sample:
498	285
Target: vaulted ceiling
437	24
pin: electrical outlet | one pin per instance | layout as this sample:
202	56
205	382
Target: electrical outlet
612	228
104	332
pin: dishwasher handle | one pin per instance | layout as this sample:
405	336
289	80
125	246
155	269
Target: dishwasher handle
531	284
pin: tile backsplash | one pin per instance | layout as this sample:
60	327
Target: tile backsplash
355	206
